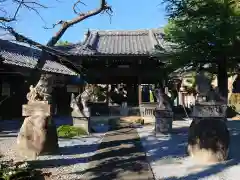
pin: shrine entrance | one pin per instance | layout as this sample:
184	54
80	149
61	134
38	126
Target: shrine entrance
121	57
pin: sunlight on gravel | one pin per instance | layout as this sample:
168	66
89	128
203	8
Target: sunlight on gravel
167	155
73	156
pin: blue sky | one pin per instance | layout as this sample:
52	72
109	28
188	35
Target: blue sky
127	14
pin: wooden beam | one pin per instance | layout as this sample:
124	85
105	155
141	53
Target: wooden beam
107	93
119	79
124	72
139	90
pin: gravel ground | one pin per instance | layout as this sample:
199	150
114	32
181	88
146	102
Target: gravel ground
167	155
73	156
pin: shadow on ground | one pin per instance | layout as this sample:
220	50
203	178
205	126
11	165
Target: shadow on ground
117	157
120	155
175	146
54	163
15	124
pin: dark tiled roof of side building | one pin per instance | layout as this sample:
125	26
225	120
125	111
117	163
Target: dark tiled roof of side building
20	55
120	42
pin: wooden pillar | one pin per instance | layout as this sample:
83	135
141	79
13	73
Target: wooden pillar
107	94
182	96
139	91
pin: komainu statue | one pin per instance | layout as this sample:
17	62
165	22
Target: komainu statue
79	103
205	91
80	110
87	95
162	99
209	137
41	92
38	133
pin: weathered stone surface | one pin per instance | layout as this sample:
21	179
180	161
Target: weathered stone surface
208	140
208	134
82	122
37	136
81	116
164	120
210	109
163	113
162	99
41	107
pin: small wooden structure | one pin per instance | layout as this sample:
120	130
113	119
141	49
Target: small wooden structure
17	64
114	57
104	57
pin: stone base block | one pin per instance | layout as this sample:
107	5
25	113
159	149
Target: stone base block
208	140
37	136
163	125
37	108
209	109
164	120
82	122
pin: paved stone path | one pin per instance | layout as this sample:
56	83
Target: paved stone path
120	156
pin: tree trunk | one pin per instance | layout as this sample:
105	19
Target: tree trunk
222	78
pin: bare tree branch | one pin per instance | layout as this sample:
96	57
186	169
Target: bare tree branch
75	7
30	5
104	7
54	25
50	50
66	24
4	19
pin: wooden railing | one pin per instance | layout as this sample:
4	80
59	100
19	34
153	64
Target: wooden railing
147	109
101	109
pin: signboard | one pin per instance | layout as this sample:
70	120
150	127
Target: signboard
6	89
72	89
234	100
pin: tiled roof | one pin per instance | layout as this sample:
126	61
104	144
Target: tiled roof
137	42
20	55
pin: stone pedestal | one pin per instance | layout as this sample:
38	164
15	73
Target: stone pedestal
38	133
209	110
209	137
124	109
163	121
81	119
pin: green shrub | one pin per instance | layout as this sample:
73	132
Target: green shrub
67	131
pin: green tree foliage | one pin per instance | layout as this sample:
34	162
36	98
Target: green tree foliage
205	31
63	43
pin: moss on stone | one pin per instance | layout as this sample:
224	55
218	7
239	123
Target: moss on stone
67	131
